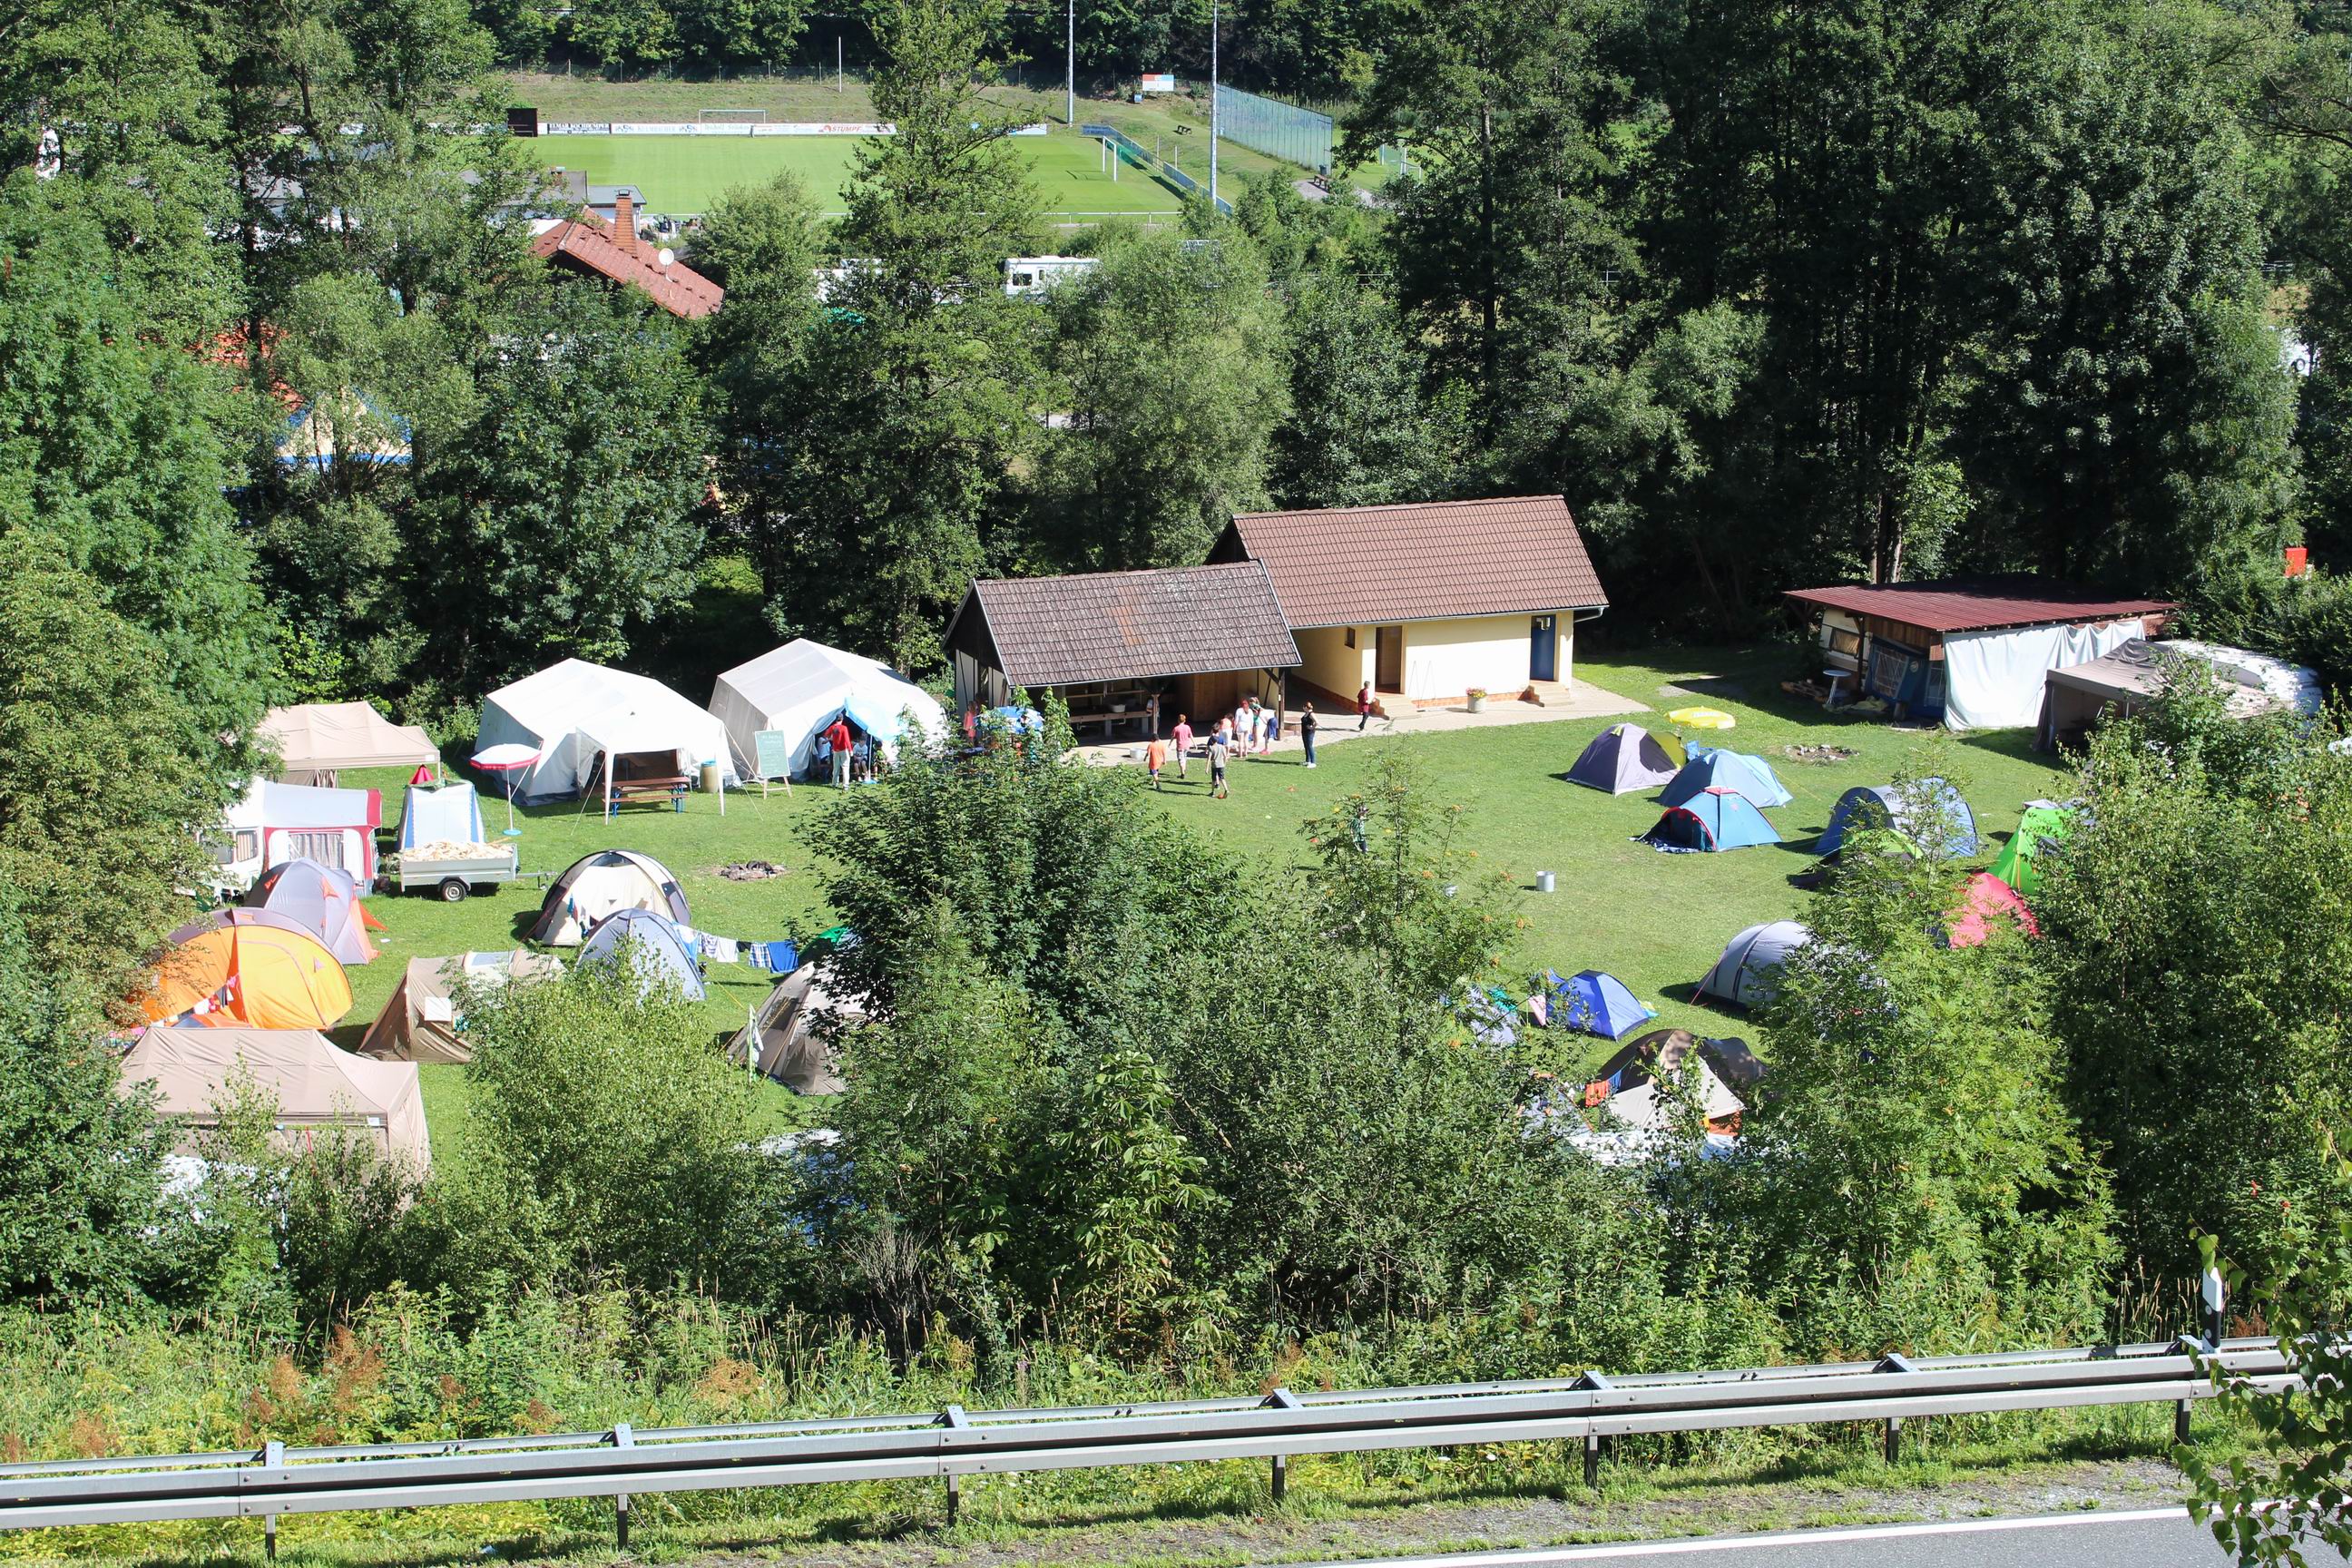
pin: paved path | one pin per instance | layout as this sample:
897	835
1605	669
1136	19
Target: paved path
2138	1538
1583	701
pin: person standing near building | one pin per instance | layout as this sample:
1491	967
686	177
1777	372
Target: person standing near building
1182	736
1219	754
1307	731
1155	757
1364	705
840	739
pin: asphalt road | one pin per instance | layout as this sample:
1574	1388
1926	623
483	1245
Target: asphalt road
2146	1538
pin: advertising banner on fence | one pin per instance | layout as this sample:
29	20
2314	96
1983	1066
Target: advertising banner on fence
714	128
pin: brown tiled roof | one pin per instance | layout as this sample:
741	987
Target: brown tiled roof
1977	604
1111	625
1357	565
587	241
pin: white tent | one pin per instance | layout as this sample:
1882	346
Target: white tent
801	688
315	739
575	713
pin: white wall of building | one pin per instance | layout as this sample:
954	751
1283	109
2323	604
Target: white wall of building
1446	659
1331	663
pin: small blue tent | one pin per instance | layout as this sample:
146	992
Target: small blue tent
661	948
1715	819
1596	1003
1933	805
1706	769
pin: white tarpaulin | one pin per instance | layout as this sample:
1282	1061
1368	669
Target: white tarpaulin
576	711
1993	680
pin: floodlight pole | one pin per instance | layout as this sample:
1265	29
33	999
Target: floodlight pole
1070	65
1212	108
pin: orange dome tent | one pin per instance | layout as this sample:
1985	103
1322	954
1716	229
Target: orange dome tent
248	966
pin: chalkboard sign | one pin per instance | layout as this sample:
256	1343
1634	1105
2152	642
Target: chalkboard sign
775	759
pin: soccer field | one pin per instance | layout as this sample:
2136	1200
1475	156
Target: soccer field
682	175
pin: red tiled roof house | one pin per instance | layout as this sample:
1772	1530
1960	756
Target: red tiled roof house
1427	601
616	253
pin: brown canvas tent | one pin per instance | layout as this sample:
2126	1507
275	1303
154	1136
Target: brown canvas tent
792	1040
316	739
419	1022
318	1087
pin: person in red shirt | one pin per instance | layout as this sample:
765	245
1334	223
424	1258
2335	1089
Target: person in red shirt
840	739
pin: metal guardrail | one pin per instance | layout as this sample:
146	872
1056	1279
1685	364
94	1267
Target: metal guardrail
951	1444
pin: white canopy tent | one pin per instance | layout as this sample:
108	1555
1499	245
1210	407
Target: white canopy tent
574	714
801	688
315	739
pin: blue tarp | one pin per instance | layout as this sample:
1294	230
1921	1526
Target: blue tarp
1937	804
1596	1003
1751	776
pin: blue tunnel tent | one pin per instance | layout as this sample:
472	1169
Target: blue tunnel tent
1596	1003
1885	806
1623	759
658	946
1711	768
1715	819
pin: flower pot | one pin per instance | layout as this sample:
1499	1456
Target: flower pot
1477	702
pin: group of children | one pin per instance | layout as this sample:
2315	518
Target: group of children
1250	729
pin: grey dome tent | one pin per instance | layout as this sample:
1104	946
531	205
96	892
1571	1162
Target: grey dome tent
1934	804
1623	759
656	945
1748	971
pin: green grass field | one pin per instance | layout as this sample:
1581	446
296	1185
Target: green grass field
1656	921
683	176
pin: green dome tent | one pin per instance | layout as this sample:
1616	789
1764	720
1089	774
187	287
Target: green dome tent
2041	827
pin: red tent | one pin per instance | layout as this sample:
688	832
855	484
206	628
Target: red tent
1985	898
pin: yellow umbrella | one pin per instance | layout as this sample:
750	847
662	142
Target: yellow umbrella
1704	719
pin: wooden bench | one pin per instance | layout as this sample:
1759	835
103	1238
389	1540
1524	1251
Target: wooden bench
628	792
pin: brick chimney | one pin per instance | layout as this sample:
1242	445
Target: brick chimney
624	222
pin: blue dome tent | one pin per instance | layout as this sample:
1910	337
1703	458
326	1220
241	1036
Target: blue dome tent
1883	805
662	950
1708	769
1715	819
1622	759
1596	1003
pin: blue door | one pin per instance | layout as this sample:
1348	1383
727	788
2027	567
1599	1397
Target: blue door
1543	649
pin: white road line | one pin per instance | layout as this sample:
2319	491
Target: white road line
1541	1556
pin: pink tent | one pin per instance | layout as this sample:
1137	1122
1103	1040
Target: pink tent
323	901
1985	898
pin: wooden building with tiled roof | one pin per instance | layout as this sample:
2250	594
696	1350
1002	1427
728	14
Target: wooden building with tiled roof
1198	638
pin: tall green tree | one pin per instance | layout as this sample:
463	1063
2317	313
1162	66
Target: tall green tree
1170	353
565	512
2197	939
117	446
876	460
1359	433
102	790
2131	417
80	1212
